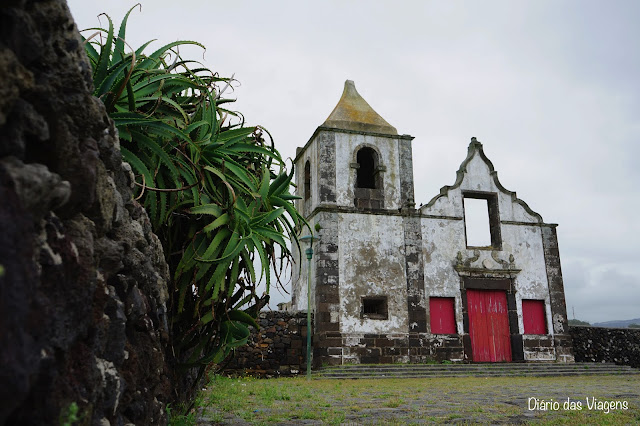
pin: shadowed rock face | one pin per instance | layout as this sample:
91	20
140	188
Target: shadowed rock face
84	289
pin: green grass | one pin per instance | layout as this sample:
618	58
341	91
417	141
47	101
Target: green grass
178	417
402	401
394	402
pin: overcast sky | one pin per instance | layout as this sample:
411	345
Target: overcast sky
551	89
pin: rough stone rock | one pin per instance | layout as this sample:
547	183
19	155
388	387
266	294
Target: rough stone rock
39	189
278	348
83	290
599	344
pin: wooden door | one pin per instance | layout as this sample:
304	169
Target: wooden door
489	325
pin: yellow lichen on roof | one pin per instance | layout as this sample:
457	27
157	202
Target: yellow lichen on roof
354	113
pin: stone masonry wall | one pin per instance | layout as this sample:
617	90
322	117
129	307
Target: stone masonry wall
277	349
84	289
562	340
596	344
405	348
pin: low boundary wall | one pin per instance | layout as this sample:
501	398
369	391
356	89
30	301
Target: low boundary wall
278	348
596	344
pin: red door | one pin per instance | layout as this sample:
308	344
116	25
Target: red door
489	325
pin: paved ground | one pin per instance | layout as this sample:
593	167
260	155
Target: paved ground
460	400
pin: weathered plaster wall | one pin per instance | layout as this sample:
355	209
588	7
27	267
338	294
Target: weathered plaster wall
84	291
320	151
300	273
441	242
597	344
443	238
306	206
371	250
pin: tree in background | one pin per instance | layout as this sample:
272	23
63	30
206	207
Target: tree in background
217	191
633	325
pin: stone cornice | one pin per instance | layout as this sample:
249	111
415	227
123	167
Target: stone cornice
355	132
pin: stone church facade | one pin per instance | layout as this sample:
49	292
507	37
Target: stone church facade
391	283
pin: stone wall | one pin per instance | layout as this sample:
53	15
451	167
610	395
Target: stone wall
84	289
405	348
277	349
596	344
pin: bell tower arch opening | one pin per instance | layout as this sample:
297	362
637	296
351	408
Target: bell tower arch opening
369	181
367	159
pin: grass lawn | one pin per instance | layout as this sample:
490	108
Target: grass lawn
406	401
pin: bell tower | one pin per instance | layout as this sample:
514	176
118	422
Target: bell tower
355	180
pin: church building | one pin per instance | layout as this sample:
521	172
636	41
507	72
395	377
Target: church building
394	284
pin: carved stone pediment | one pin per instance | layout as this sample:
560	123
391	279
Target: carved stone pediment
493	266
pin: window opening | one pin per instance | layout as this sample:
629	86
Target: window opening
307	180
533	317
442	315
482	221
476	221
374	308
367	163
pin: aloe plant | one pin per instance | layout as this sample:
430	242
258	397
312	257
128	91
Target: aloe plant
217	191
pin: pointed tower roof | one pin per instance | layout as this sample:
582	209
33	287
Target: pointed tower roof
354	113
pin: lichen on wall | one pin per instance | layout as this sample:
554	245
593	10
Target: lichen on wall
371	249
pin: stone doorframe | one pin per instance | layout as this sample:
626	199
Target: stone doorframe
480	279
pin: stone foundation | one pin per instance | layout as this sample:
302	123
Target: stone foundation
337	348
538	348
277	349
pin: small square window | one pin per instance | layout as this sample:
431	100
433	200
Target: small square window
533	317
375	308
442	315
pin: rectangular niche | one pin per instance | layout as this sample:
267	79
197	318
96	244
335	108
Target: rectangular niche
375	307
